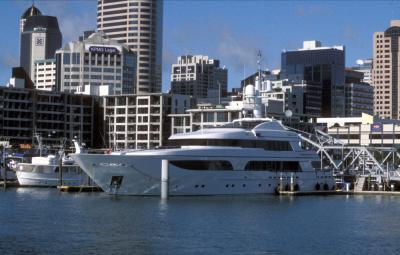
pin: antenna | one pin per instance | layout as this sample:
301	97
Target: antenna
259	64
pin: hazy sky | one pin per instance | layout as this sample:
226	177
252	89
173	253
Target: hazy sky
231	31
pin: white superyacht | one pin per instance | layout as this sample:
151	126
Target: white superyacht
247	156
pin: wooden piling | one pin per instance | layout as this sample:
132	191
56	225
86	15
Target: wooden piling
60	168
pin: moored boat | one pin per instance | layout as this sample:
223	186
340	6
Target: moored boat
247	156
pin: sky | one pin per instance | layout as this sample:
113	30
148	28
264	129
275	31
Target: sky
229	30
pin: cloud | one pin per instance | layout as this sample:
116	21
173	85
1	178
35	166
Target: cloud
169	58
72	22
350	34
8	60
307	11
237	51
72	26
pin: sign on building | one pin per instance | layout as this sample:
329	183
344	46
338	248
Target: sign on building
376	127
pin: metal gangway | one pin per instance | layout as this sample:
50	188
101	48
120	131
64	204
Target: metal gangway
380	164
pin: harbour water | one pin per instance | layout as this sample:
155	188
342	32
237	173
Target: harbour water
45	221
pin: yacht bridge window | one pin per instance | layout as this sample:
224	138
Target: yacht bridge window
269	145
282	166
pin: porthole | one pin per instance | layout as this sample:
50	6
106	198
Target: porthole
244	185
227	185
196	186
259	185
269	185
203	186
233	185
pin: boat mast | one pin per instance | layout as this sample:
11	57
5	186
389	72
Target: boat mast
40	145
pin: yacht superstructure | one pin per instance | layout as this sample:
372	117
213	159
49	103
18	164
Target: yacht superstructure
244	157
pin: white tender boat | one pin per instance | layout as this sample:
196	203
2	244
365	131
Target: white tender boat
244	157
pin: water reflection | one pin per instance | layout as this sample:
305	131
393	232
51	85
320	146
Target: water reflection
82	223
32	193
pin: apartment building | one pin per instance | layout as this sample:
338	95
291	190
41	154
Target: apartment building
45	74
199	76
139	121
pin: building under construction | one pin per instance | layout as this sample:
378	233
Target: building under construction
54	115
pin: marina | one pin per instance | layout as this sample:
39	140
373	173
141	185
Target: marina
247	156
180	127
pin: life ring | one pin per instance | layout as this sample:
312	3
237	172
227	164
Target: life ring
317	186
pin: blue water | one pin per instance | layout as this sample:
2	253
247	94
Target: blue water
44	221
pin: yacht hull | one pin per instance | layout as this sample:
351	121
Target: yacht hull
141	175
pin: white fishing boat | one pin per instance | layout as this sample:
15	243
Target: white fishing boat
247	156
45	172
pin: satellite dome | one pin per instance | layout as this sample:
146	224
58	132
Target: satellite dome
31	11
250	91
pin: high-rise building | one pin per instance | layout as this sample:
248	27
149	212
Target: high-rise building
96	61
31	11
138	24
386	72
200	77
323	69
40	38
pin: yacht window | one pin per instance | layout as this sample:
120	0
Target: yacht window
215	165
266	145
283	166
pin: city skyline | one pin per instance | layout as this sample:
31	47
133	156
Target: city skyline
216	31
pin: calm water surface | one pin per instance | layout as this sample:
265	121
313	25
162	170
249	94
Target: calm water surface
44	221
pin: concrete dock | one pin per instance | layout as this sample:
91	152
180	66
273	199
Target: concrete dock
337	192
